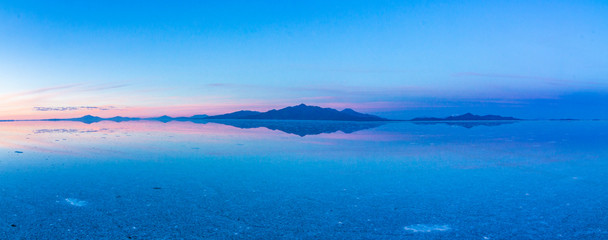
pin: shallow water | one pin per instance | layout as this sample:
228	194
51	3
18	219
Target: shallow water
154	180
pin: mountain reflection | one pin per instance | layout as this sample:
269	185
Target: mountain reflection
297	127
300	128
63	130
470	124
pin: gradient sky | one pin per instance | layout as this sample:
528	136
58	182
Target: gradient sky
398	59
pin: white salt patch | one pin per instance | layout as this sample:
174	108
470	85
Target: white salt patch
76	202
426	228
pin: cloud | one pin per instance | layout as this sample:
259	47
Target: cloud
555	81
105	87
63	109
317	98
42	90
37	92
56	91
217	85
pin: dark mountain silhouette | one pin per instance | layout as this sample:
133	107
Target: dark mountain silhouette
163	118
299	112
303	112
200	116
194	117
307	120
467	117
85	119
235	115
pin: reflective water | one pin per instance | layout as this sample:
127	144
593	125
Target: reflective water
305	180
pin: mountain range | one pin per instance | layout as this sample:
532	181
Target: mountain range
304	120
299	112
467	117
302	112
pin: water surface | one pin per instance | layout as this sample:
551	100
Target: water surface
304	180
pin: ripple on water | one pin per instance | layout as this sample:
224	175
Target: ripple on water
76	202
427	228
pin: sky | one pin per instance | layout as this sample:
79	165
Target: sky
396	59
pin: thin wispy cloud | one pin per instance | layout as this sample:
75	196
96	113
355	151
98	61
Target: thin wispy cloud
549	80
38	91
217	85
63	109
64	89
317	98
104	87
351	70
333	91
53	100
47	89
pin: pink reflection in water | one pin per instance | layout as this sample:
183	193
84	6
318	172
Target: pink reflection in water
119	139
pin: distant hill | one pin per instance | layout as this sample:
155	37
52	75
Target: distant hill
235	115
467	117
200	116
84	119
163	118
299	112
302	112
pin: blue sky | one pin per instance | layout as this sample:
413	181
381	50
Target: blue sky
399	59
